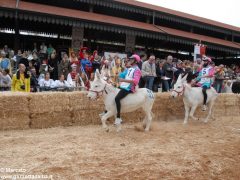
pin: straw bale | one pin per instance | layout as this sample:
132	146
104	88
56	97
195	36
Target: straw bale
49	102
51	119
14	111
82	117
231	100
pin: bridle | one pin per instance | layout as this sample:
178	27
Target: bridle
100	93
180	92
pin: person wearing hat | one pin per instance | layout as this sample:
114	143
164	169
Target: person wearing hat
204	79
128	79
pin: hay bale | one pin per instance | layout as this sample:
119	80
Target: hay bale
85	111
48	102
49	109
51	119
14	111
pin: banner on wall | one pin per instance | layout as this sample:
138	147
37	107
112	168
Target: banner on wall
120	55
199	51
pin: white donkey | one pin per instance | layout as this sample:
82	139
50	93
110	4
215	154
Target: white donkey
193	97
142	98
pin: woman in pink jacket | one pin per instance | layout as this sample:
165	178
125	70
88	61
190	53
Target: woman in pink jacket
128	79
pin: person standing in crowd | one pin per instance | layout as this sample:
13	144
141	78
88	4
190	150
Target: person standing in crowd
35	49
116	70
36	62
82	52
74	61
86	65
71	78
21	80
53	66
160	74
219	77
5	62
62	83
50	49
141	81
64	66
96	62
5	80
149	72
6	50
24	60
17	58
33	80
43	68
46	83
168	71
179	70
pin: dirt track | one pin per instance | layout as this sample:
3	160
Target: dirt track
169	151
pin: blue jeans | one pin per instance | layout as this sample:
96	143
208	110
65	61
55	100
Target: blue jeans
149	82
167	85
218	85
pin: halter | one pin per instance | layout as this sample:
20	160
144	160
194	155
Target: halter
180	92
98	92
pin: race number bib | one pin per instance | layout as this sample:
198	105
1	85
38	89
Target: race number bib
129	76
205	71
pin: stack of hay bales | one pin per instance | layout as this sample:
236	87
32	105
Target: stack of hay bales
49	110
84	111
231	104
166	108
14	111
44	110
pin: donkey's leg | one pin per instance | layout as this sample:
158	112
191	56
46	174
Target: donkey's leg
193	109
187	108
210	111
145	118
149	120
105	117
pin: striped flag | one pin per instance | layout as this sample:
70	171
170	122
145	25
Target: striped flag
199	51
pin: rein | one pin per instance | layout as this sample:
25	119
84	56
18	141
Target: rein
180	92
100	93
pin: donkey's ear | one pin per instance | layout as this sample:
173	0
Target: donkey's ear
97	74
185	78
179	77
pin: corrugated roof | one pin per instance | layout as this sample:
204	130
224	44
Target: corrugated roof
178	13
199	37
46	9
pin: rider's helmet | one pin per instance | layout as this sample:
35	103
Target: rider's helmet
136	57
206	60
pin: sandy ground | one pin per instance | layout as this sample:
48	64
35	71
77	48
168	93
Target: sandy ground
169	151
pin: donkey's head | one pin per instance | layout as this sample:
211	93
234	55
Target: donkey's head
97	86
179	87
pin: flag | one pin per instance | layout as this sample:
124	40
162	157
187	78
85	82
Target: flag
199	51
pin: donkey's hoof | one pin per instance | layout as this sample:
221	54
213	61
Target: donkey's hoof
119	128
146	130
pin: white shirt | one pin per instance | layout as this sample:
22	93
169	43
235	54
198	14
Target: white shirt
70	81
46	83
5	81
59	83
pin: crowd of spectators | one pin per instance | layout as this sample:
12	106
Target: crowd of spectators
45	69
